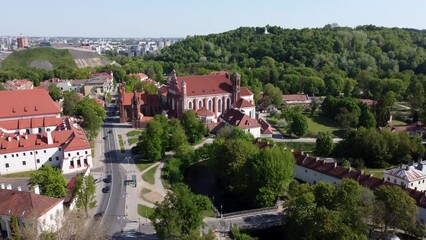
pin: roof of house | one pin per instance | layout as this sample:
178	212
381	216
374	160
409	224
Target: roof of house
145	99
244	91
18	84
206	84
265	128
139	75
242	103
26	103
412	127
366	180
295	97
68	135
239	119
409	173
30	123
369	102
25	204
204	112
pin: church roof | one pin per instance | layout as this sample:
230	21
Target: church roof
200	85
204	112
242	103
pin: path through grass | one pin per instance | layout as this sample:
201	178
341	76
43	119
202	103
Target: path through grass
143	164
149	176
144	211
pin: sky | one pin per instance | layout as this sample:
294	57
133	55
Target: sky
180	18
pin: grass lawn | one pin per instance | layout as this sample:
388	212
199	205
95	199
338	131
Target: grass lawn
377	172
24	58
318	123
134	133
132	141
144	211
19	175
149	176
120	141
396	122
302	147
143	164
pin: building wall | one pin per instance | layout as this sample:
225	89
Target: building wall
419	185
313	177
251	112
66	86
52	220
253	131
75	160
194	102
33	160
421	216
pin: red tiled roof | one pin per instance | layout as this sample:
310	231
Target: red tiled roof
30	123
26	103
244	91
163	90
221	72
239	119
18	84
369	102
206	84
25	204
139	75
295	97
265	128
242	103
204	112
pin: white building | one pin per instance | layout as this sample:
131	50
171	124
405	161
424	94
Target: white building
33	133
31	209
411	176
235	117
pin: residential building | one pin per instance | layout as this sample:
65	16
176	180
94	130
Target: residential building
66	85
314	170
22	42
292	100
237	118
33	133
99	84
18	84
411	176
31	209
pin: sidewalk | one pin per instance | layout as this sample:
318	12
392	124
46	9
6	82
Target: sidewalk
133	194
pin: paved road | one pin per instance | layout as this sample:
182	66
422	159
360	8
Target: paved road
113	202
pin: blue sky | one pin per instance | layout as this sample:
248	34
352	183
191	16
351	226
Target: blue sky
179	18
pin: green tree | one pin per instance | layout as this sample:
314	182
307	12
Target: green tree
400	209
54	92
324	144
50	181
70	101
93	115
194	128
273	169
15	229
177	134
237	235
298	125
84	192
273	93
151	142
383	108
180	214
366	119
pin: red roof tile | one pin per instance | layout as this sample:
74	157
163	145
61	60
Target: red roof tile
25	204
204	112
26	103
244	91
239	119
295	97
242	103
206	84
145	99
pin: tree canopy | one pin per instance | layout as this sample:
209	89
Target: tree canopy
50	181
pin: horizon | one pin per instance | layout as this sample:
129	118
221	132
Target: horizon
166	18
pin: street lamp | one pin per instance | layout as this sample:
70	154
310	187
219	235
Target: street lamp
221	215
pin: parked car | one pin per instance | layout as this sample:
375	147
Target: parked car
98	215
108	179
106	189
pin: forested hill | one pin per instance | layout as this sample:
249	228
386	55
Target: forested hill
365	52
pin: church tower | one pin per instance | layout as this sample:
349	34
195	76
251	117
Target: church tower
236	84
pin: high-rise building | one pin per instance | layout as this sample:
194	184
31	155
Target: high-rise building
22	42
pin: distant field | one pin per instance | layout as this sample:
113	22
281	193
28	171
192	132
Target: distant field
42	55
319	123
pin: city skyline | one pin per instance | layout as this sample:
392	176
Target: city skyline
166	18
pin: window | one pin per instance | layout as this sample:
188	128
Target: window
7	165
394	181
411	184
60	149
5	156
27	131
78	153
210	105
44	151
57	158
36	152
190	105
38	160
85	152
69	154
228	103
50	159
25	154
200	104
306	170
17	155
24	163
388	178
13	155
31	153
219	105
39	130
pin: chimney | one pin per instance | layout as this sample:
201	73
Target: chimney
8	138
9	186
26	136
49	138
17	137
2	186
420	166
36	189
19	188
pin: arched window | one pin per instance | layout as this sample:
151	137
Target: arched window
228	103
210	105
200	104
219	105
39	130
190	105
173	104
